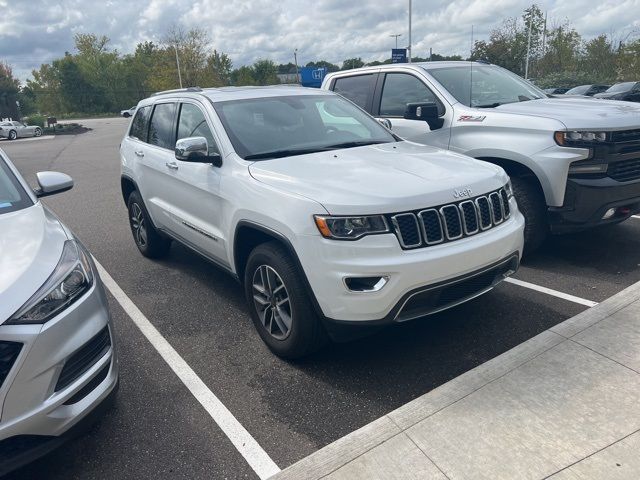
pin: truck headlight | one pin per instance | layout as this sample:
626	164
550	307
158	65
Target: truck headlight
72	277
350	228
574	138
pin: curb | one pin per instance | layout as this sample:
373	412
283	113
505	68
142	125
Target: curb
346	449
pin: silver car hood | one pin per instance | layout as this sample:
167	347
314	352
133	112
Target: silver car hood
31	242
580	112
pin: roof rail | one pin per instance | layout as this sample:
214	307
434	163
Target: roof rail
177	90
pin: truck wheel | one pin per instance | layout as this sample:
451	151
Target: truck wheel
533	206
279	304
148	240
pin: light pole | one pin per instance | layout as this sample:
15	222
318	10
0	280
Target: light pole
409	47
396	37
178	64
295	60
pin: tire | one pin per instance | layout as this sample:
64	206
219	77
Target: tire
126	115
305	333
12	135
148	240
532	205
37	132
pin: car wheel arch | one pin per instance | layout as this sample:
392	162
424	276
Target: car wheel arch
514	169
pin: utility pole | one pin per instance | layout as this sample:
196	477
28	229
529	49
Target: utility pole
178	64
295	60
526	65
409	47
396	37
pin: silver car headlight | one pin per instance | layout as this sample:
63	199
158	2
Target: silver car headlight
574	138
350	228
72	277
508	188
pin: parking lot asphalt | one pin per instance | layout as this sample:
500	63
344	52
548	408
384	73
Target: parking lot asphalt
292	409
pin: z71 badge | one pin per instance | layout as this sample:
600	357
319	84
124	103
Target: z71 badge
472	118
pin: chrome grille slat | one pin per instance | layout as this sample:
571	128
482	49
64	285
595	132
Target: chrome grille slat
452	221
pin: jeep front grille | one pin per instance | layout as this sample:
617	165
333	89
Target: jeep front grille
452	221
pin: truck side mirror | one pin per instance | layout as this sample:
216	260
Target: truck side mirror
427	112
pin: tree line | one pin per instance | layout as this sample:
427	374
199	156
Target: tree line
97	79
558	55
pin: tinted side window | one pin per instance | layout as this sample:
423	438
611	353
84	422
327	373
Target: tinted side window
400	89
193	124
140	124
161	127
358	89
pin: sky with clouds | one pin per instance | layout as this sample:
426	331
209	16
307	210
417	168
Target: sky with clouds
34	32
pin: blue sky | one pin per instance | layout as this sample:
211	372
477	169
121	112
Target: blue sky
33	32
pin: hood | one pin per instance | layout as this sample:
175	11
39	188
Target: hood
580	112
385	178
30	247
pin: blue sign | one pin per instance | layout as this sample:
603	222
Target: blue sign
398	55
312	77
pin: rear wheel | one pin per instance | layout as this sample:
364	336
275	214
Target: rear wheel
37	132
532	204
13	135
148	240
280	306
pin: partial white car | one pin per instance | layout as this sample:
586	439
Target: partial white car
58	366
13	130
329	221
128	113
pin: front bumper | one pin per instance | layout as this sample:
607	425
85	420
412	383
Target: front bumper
326	263
65	370
587	200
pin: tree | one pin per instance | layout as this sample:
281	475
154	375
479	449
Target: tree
629	62
265	72
600	58
219	66
243	76
324	64
9	88
351	63
191	47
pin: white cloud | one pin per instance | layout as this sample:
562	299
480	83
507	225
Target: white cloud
38	31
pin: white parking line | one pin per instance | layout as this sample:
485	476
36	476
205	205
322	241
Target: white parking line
549	291
248	447
635	216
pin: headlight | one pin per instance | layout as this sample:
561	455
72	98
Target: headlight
72	277
509	189
350	228
579	139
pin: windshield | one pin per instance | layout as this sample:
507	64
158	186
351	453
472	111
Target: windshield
485	86
12	195
621	87
581	90
271	127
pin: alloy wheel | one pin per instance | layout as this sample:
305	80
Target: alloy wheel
138	226
272	303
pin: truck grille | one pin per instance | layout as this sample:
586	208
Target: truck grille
625	171
452	221
8	353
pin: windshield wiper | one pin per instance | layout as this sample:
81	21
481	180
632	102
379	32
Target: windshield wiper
282	153
357	143
489	105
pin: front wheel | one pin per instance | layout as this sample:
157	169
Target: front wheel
38	132
13	135
148	240
280	306
532	205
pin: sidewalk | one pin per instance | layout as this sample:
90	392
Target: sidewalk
563	405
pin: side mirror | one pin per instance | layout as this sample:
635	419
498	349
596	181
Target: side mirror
427	112
196	149
51	183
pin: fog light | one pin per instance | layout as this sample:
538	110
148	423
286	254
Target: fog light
609	213
365	284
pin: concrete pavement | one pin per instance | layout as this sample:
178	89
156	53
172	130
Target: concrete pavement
563	405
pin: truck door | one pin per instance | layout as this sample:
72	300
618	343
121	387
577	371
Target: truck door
394	91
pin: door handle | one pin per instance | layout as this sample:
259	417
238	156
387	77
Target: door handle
139	153
172	165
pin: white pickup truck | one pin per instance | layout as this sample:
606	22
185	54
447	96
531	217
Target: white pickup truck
574	162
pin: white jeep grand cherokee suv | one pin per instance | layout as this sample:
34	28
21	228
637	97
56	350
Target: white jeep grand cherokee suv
327	218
